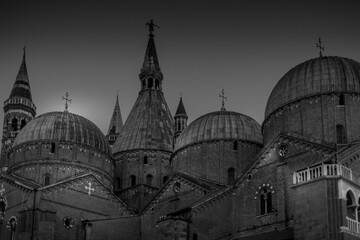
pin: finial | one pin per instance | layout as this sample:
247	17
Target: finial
24	50
151	26
180	95
66	98
321	48
117	95
223	98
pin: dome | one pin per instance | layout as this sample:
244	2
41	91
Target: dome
63	126
219	126
317	76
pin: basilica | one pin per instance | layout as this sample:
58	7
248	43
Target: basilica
158	177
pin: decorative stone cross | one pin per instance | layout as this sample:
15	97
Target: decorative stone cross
66	98
2	190
320	47
89	188
222	95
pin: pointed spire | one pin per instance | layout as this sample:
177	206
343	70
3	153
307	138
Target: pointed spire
116	123
21	86
180	108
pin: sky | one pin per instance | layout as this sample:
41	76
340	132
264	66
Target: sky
94	50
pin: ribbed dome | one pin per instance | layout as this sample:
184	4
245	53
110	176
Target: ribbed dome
63	126
314	77
149	125
220	125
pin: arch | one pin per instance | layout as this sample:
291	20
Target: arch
235	146
22	124
14	124
46	179
350	205
195	236
145	159
341	100
52	149
156	83
149	179
231	175
266	201
150	83
340	134
132	180
165	178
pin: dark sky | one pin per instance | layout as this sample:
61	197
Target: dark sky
94	49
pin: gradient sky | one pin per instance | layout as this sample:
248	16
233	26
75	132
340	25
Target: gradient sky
94	49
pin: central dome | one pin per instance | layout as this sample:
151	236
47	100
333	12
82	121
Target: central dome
316	76
63	126
220	125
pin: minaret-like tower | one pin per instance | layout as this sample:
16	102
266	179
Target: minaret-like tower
180	119
19	109
116	124
142	150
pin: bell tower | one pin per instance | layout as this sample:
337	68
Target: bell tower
19	109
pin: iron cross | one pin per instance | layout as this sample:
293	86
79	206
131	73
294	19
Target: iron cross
66	98
151	26
320	47
222	95
89	188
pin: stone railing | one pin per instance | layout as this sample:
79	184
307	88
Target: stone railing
353	227
331	170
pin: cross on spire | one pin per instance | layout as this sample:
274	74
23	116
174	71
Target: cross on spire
320	47
151	26
66	98
223	98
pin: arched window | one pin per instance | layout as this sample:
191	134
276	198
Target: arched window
14	124
52	149
23	123
150	83
195	236
156	84
350	205
231	175
149	179
341	100
340	134
118	183
235	146
132	180
265	201
47	180
145	159
165	178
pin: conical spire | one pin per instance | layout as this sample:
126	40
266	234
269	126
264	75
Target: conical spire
21	86
180	108
116	123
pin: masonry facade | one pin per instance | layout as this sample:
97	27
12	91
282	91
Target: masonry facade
223	176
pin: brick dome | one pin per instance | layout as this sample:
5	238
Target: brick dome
63	126
220	125
317	76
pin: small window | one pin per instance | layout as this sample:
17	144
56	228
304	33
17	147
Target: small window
47	180
150	83
118	183
52	149
14	124
340	134
165	178
341	100
145	159
149	179
231	175
195	236
132	180
265	201
23	123
143	84
235	146
156	84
